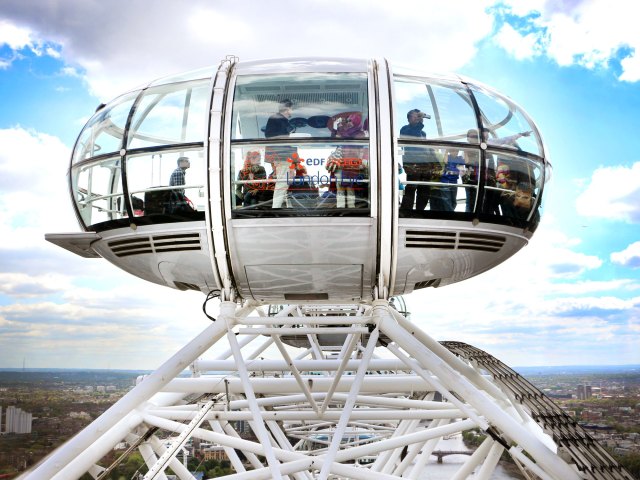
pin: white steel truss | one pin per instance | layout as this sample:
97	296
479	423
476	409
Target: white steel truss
328	392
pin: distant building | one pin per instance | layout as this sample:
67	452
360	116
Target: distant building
214	453
17	420
591	415
241	426
81	415
584	392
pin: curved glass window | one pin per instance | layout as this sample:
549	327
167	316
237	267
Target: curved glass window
165	167
438	179
198	74
505	125
299	145
170	114
168	182
104	132
97	188
513	188
429	109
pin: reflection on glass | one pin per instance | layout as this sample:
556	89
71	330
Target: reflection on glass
438	179
169	115
445	109
306	105
505	125
98	191
314	178
104	132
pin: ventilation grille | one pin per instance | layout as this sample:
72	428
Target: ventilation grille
312	98
454	240
156	244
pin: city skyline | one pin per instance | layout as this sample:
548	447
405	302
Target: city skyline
569	298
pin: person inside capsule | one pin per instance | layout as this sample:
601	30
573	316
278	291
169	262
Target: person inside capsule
250	187
420	165
506	175
178	176
447	197
278	126
348	162
470	171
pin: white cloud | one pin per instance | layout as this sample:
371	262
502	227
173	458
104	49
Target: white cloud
30	204
23	285
518	45
555	256
613	193
630	67
589	304
125	52
629	257
69	72
15	37
589	33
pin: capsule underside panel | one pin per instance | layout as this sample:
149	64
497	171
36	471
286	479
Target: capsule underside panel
321	259
179	259
448	252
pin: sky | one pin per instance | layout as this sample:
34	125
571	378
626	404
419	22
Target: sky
571	297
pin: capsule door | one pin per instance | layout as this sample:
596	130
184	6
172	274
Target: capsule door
298	183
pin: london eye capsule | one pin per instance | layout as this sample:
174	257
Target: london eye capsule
316	179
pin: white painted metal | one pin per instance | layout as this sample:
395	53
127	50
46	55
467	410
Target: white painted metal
317	412
156	470
215	141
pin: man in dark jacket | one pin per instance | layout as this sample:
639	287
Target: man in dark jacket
416	164
278	123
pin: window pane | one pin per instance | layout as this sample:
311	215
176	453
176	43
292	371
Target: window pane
312	179
438	179
104	131
170	114
318	104
513	187
169	182
426	108
505	124
98	191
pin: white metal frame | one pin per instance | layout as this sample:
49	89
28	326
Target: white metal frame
324	389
